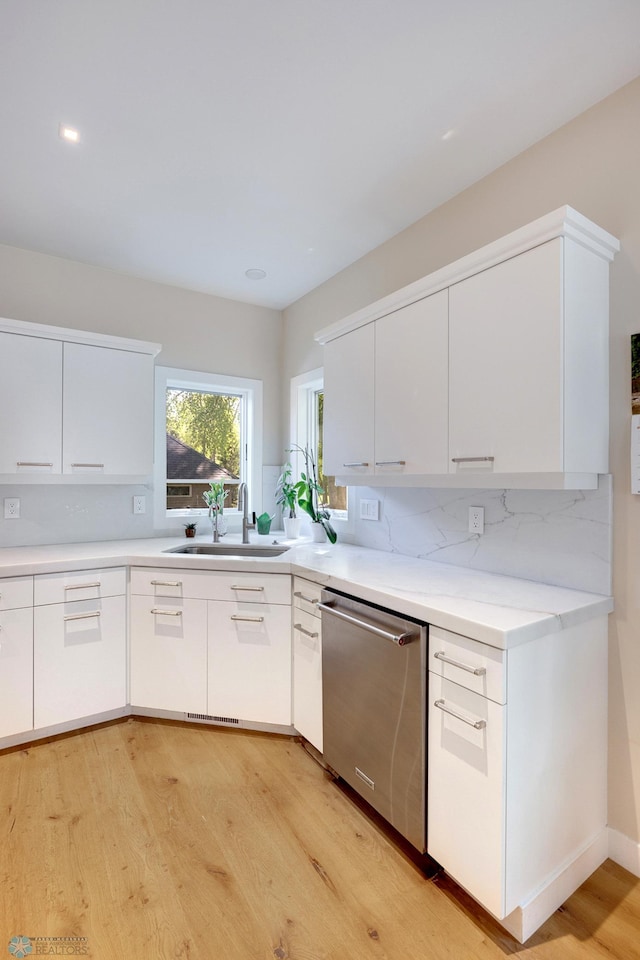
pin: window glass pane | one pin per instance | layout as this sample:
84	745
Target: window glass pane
204	443
334	497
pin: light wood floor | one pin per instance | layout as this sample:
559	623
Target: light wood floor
161	840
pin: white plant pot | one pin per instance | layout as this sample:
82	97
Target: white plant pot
292	527
318	533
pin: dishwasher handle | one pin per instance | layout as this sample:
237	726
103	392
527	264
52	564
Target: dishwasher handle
400	638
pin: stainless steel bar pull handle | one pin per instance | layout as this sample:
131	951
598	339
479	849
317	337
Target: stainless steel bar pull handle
472	459
81	586
239	586
82	616
33	463
400	638
357	463
391	463
476	724
476	671
167	613
307	633
166	583
300	596
237	616
87	464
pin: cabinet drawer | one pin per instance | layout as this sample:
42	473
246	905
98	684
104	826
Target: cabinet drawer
211	585
165	582
306	594
16	592
252	587
467	662
79	585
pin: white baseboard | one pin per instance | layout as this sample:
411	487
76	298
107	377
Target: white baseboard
624	851
525	920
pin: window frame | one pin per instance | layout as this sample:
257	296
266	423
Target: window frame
250	460
303	430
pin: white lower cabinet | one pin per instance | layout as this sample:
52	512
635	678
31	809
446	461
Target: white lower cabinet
250	661
466	799
517	771
214	643
80	645
16	656
80	654
307	661
169	654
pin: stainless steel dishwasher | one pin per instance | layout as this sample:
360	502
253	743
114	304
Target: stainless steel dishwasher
374	705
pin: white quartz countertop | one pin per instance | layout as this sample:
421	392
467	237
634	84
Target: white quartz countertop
498	610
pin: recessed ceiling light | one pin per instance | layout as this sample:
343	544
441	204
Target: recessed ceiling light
255	273
70	134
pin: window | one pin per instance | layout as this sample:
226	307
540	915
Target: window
307	408
206	430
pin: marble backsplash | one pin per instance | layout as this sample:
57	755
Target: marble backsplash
561	537
75	513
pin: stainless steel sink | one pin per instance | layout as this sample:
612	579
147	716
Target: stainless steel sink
230	549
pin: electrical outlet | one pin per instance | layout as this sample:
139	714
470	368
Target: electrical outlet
11	508
139	504
476	520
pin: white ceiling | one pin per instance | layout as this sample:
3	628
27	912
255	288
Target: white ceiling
289	135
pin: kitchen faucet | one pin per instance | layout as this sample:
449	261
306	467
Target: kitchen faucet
243	504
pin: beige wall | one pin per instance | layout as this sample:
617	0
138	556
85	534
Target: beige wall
197	331
593	164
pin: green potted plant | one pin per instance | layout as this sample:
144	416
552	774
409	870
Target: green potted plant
190	528
287	498
308	489
214	499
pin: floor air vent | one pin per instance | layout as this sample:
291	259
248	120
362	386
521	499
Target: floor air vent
205	717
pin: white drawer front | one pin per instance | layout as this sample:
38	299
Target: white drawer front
467	662
306	594
16	592
211	585
166	582
252	587
79	585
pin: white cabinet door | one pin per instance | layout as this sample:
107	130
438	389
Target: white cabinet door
411	399
348	404
108	411
307	677
169	654
31	404
80	655
466	778
506	364
16	671
250	661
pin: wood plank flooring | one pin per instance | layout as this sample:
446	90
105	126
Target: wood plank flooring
154	839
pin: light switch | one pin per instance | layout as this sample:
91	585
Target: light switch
369	509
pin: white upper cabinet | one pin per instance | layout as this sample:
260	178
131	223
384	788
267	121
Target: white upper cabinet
385	387
78	407
108	411
411	389
528	364
31	404
348	404
492	372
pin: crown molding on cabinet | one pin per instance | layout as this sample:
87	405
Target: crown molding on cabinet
563	222
47	332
